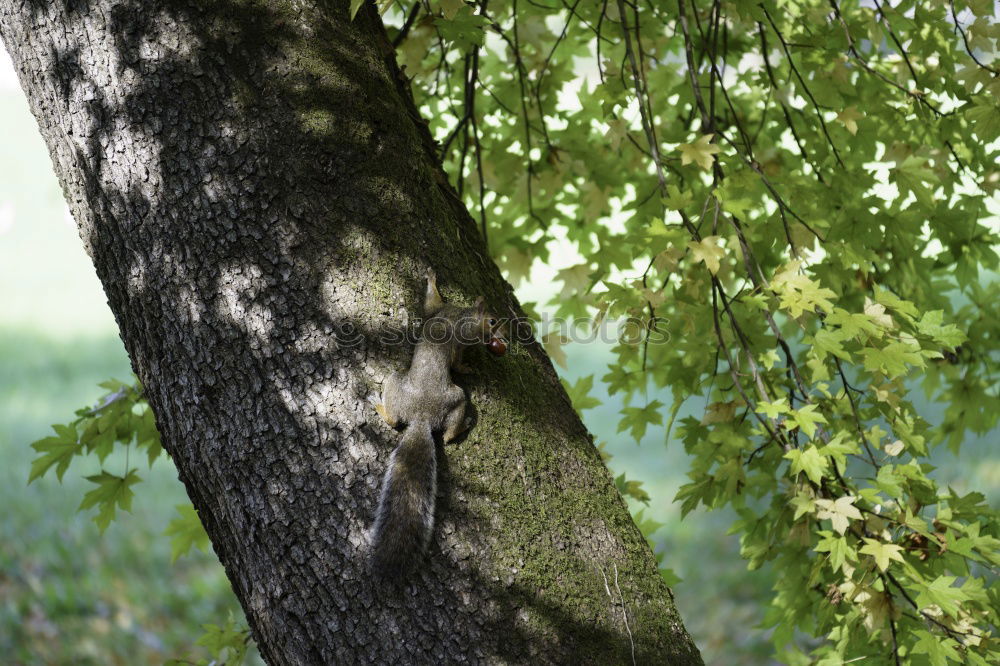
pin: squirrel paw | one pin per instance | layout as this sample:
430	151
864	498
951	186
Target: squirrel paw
380	408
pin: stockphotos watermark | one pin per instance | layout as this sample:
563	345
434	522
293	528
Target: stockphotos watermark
524	330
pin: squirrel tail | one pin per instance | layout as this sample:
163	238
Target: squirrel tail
405	515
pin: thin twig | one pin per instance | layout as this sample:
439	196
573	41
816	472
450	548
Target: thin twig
784	108
805	87
405	30
965	40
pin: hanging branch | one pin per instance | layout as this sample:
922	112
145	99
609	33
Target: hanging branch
784	108
965	40
405	30
805	87
717	290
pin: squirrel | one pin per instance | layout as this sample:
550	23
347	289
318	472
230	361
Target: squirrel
425	400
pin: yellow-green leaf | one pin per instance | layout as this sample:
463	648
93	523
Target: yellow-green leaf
707	251
839	512
702	151
882	552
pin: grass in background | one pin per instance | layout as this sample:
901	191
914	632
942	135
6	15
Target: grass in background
67	593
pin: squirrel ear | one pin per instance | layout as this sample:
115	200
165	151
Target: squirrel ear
480	305
432	299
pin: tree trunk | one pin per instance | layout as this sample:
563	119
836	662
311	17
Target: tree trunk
261	201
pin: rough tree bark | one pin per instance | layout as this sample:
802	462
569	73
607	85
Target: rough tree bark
261	200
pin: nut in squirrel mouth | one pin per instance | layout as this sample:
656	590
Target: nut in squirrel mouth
496	345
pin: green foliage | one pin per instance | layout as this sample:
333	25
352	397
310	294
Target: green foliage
111	492
71	595
123	418
579	393
227	644
186	532
798	194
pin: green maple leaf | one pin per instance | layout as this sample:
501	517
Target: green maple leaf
517	263
810	461
839	512
736	207
731	203
669	576
636	419
769	358
981	7
579	393
186	531
892	360
888	481
948	335
58	451
984	119
228	643
677	200
816	296
941	593
800	294
450	7
939	649
112	492
841	446
840	551
773	409
619	379
806	418
852	324
890	300
465	31
633	489
828	341
575	279
803	504
646	524
912	176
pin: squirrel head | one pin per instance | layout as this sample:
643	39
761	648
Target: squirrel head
490	326
477	325
474	325
483	322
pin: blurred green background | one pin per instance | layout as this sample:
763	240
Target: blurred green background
71	595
